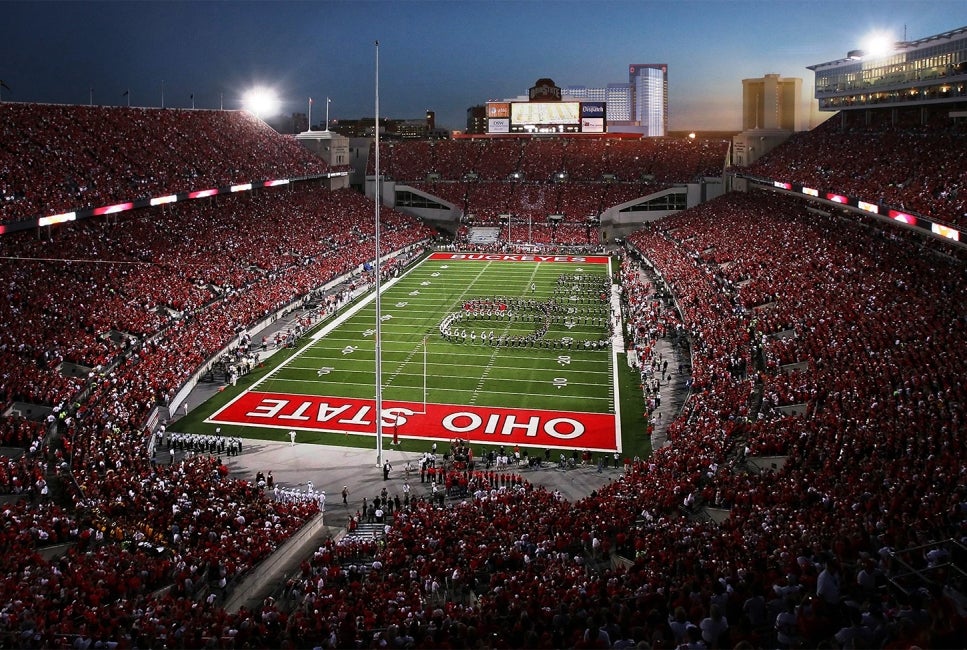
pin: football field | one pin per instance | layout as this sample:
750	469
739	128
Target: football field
494	349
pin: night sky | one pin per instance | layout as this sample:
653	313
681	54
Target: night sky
442	56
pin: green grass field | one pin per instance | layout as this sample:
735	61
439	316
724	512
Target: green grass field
549	370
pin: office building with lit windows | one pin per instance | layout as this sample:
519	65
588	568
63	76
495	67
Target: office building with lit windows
617	96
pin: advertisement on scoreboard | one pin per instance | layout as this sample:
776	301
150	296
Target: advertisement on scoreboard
593	117
498	109
593	109
498	125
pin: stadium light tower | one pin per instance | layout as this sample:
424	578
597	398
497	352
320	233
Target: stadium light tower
262	102
376	269
877	44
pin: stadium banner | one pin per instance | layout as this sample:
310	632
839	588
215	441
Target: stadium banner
479	424
592	125
526	257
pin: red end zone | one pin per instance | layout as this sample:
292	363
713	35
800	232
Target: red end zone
501	257
562	429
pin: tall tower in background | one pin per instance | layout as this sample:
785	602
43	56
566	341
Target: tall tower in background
772	111
772	103
649	88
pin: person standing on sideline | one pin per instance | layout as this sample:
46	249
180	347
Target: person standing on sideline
345	495
386	468
292	438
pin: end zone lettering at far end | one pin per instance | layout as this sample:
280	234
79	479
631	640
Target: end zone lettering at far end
410	420
502	257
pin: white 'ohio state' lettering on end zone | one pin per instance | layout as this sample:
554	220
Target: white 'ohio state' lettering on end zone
516	258
473	422
413	420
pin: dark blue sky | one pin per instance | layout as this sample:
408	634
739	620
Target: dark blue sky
445	56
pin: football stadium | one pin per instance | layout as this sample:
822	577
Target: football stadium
532	388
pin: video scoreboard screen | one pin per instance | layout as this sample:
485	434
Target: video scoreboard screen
546	117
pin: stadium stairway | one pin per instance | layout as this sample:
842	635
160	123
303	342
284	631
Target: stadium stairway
263	580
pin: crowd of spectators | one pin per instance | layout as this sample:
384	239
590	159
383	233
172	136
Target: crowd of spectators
94	156
542	160
559	213
198	272
532	179
914	165
781	306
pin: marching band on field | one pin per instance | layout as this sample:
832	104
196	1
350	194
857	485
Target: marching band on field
200	443
578	300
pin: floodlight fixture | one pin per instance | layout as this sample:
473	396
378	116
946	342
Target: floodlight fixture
262	102
877	44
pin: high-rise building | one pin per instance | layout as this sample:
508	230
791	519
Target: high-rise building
771	112
649	88
772	102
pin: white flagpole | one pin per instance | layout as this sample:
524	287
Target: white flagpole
379	335
327	113
310	115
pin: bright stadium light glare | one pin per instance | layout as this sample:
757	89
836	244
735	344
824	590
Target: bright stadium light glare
261	102
877	44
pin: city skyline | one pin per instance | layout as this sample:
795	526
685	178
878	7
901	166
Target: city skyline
441	56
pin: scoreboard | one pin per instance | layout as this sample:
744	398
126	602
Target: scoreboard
546	117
